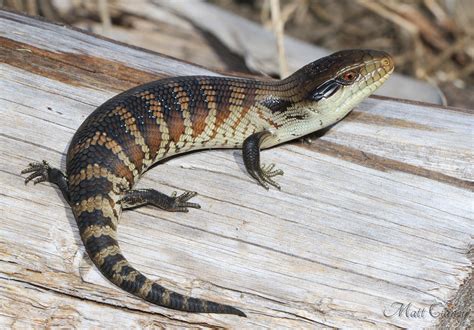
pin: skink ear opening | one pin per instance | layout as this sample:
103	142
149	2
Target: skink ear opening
275	104
325	90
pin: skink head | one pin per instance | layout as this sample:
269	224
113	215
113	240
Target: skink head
348	75
328	89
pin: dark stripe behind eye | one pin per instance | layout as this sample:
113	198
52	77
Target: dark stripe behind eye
326	90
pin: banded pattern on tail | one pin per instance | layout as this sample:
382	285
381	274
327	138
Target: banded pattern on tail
97	218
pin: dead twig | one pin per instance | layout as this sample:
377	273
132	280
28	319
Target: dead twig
277	23
458	46
407	26
31	7
426	29
104	16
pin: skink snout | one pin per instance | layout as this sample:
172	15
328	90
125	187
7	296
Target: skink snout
387	63
378	65
382	60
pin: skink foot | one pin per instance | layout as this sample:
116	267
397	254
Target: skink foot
265	175
251	153
173	203
39	172
42	172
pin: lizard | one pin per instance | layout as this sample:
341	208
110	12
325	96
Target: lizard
128	134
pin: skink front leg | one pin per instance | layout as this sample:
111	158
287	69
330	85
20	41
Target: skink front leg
251	154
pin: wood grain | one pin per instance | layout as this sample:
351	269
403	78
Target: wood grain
376	211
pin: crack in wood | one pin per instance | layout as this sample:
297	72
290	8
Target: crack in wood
43	288
61	66
384	164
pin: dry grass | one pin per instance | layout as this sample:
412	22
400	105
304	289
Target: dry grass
431	40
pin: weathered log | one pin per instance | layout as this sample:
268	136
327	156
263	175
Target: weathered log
374	213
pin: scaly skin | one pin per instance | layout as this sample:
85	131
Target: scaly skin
132	131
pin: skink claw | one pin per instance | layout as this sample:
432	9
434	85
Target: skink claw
180	203
39	172
265	175
42	172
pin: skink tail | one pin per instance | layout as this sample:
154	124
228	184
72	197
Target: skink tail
97	218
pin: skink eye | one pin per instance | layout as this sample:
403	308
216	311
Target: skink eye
348	76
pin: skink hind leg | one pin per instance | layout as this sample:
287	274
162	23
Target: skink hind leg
251	154
41	172
173	203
